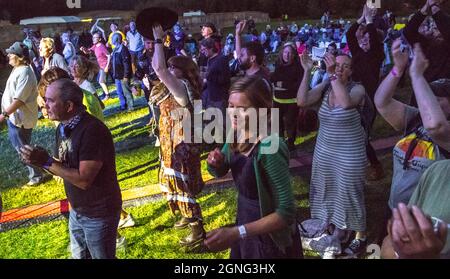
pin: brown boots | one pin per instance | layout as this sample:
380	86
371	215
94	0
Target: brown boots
196	236
181	224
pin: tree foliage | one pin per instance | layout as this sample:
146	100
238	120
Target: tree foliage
16	9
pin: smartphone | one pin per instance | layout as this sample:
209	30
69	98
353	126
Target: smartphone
405	46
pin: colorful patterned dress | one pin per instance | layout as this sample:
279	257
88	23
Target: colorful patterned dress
180	176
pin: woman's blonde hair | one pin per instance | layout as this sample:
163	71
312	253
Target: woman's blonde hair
87	68
49	43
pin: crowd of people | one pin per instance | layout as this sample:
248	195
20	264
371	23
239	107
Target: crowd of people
342	72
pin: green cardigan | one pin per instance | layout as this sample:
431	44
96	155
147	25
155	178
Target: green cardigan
273	183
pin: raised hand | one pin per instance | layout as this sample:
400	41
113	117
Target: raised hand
306	61
419	63
240	27
400	57
330	62
158	32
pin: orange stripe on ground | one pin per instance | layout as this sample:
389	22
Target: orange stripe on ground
62	206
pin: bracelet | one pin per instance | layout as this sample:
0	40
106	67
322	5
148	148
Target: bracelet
49	163
242	232
395	74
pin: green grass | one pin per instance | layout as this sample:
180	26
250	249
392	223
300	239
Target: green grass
151	238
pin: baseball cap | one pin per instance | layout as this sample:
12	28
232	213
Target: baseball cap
210	25
19	49
441	87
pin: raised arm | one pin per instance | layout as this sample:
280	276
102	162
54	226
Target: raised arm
390	109
352	41
175	85
433	118
238	40
344	99
376	46
306	97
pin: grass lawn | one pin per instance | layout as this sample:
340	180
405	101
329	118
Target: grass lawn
152	238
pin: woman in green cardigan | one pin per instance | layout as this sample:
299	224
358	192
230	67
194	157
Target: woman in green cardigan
265	224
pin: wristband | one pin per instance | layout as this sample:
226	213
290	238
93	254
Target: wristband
242	232
49	163
333	77
395	73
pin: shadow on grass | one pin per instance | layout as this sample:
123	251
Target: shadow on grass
146	167
138	122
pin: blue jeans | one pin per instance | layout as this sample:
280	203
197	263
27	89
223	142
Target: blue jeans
93	238
125	96
18	138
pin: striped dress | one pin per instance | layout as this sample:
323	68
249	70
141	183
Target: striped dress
338	169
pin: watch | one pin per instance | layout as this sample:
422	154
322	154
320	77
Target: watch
242	232
5	114
49	163
158	41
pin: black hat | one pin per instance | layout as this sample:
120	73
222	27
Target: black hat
210	25
441	87
150	17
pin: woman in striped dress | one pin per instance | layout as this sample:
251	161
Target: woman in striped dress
338	170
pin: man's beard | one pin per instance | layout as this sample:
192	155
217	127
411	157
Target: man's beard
245	65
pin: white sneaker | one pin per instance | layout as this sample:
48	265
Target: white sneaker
127	222
120	242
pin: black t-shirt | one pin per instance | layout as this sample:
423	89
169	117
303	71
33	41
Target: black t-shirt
91	140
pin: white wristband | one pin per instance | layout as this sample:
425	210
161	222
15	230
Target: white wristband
242	232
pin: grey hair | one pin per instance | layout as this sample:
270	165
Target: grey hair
69	91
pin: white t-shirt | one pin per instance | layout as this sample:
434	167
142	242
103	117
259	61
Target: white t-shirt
86	85
22	85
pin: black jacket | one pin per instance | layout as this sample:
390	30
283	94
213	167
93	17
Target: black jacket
366	65
438	54
120	65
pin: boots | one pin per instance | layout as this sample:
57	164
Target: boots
181	224
196	236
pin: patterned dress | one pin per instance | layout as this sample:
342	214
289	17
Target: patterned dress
338	170
180	176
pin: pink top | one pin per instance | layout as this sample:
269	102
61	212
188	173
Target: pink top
101	54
